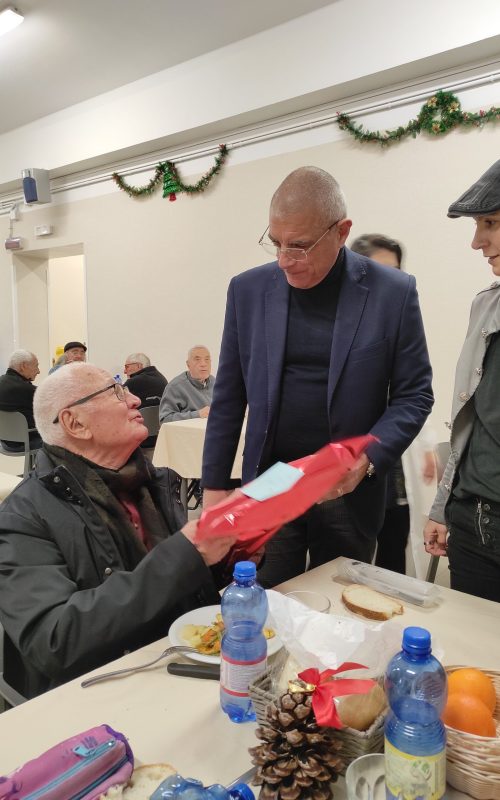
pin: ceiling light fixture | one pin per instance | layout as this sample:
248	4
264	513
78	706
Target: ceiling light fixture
9	18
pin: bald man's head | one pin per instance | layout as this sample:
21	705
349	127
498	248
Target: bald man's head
311	189
307	226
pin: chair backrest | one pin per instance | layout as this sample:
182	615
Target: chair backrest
14	428
151	417
442	452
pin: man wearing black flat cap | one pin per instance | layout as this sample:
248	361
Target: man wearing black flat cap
467	504
74	351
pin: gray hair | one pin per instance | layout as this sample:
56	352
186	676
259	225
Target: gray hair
197	347
59	390
138	358
20	357
310	188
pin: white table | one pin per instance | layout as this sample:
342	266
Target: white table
180	446
178	720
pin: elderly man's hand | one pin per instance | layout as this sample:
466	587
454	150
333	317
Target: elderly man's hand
435	535
211	550
204	412
350	481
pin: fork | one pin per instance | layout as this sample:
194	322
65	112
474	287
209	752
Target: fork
177	648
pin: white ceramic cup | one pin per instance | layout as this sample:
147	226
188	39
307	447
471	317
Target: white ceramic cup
313	600
365	778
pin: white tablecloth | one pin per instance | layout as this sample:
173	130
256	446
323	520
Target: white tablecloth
180	447
178	720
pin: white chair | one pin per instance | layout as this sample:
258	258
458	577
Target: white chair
10	695
442	453
14	428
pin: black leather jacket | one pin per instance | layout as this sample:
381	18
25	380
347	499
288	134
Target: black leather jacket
66	603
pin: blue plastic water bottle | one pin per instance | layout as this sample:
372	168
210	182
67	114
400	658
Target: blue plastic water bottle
176	787
243	647
415	737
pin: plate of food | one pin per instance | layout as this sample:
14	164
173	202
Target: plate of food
202	628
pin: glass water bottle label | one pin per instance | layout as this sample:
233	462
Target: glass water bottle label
236	676
414	777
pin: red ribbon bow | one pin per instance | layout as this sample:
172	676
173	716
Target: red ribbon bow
326	689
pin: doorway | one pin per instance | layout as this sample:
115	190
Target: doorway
50	301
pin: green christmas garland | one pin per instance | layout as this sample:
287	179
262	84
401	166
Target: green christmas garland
440	114
167	172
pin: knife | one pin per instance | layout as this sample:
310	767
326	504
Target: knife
246	777
210	671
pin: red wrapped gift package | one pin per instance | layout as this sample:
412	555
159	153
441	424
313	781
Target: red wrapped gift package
256	520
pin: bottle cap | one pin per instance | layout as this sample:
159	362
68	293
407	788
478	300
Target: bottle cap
416	640
241	791
244	570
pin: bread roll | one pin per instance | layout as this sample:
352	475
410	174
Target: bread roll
359	711
370	603
143	782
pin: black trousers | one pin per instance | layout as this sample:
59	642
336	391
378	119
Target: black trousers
474	547
325	531
392	539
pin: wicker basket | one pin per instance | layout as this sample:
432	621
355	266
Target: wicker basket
354	743
473	762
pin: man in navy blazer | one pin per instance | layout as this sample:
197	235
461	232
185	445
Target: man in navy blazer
322	344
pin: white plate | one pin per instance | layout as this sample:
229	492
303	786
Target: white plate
205	616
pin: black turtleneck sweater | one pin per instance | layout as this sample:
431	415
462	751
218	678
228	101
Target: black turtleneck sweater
303	424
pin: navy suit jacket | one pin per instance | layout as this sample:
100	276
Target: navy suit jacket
379	379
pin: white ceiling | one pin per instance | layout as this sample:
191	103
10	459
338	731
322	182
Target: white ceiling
67	51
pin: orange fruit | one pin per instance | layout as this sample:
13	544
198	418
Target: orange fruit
473	682
467	713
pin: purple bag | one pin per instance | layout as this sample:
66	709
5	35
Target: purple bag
80	768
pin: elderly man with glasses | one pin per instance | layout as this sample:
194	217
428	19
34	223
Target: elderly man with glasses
321	344
143	379
96	557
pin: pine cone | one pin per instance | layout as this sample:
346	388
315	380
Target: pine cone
297	759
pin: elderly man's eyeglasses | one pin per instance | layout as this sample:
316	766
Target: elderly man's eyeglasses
293	253
120	391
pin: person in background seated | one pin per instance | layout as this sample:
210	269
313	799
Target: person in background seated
393	536
144	380
17	392
146	383
59	362
92	561
189	395
74	351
